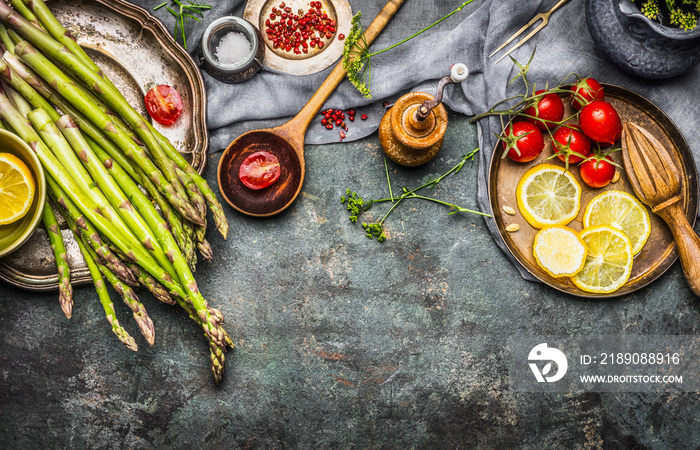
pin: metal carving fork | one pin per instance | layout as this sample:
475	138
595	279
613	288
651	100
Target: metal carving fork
544	17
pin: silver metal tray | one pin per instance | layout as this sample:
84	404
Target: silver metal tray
135	50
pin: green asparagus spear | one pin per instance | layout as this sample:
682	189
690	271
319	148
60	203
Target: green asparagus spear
40	95
40	13
217	357
6	39
65	289
61	149
155	288
202	244
76	194
191	254
76	96
91	235
22	8
96	83
104	298
121	193
217	211
143	320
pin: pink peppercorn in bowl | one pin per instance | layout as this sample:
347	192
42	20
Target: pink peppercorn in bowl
302	36
231	49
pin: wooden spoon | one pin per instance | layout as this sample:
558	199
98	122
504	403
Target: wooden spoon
286	142
657	182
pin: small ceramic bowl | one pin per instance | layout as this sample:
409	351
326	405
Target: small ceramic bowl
242	69
13	235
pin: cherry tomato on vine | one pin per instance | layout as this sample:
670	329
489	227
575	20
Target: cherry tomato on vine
522	141
600	121
585	91
550	107
570	139
164	104
597	173
259	170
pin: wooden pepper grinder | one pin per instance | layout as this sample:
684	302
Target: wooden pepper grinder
412	130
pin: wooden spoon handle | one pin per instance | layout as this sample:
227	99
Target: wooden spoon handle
687	242
302	120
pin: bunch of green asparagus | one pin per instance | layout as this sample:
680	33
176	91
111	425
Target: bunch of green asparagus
136	207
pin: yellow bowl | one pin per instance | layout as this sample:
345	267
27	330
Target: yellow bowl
13	235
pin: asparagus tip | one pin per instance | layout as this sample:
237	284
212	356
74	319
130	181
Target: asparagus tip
146	326
65	299
205	250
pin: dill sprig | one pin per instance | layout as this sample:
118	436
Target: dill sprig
356	205
357	57
183	12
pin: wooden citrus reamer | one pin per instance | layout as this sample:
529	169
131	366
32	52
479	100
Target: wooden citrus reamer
286	142
657	182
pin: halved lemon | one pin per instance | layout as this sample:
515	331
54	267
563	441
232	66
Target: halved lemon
548	195
559	251
16	188
623	211
608	262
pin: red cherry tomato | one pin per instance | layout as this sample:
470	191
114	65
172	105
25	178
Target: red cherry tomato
164	104
568	141
550	107
597	173
259	170
522	141
600	122
585	91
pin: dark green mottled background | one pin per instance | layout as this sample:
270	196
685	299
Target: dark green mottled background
341	341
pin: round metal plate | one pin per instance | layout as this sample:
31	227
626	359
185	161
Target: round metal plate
658	254
135	50
258	11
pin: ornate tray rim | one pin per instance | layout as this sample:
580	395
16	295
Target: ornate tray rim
199	161
691	178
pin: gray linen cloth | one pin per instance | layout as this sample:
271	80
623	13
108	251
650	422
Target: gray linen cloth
563	46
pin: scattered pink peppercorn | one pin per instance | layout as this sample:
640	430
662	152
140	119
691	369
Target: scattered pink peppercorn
332	118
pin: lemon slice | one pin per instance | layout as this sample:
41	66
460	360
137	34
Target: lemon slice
548	195
559	250
623	211
608	263
16	189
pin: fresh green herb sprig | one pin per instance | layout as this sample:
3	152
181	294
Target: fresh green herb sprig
183	12
357	57
356	205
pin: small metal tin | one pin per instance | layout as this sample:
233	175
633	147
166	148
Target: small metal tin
231	73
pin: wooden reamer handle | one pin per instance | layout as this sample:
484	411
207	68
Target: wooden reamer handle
687	242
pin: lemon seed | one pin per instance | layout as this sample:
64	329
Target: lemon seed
616	177
509	210
512	228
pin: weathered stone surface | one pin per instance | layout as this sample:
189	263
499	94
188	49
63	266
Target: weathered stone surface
341	341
